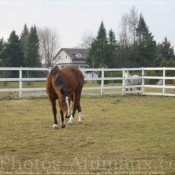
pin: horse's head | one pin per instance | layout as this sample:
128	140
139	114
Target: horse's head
64	102
126	73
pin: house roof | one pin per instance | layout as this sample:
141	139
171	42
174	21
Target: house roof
72	53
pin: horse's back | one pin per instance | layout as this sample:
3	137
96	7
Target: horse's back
73	74
136	80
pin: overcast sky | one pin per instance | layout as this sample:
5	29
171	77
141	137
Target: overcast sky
72	18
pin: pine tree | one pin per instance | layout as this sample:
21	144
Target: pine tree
91	61
14	51
146	46
32	56
24	40
166	51
3	60
112	45
98	52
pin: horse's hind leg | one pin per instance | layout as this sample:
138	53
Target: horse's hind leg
76	106
138	88
80	114
131	90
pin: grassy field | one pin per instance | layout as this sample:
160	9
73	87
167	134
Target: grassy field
130	134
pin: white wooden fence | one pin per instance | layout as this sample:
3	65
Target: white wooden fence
145	89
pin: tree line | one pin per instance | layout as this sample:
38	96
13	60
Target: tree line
32	48
136	46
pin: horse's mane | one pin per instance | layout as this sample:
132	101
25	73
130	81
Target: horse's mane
59	80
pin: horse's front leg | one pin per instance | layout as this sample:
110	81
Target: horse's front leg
131	90
80	120
71	120
54	110
62	119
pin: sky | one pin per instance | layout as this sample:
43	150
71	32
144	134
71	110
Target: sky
72	18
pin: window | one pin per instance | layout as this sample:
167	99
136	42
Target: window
79	55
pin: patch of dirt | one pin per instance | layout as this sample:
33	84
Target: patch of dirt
117	102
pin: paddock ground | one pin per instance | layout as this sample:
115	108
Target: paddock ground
130	134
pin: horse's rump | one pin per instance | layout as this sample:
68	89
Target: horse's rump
73	78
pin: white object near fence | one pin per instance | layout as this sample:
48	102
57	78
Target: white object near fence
102	87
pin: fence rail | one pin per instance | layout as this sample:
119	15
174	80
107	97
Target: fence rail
102	88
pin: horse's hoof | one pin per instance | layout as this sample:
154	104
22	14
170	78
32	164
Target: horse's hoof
63	126
55	126
71	120
80	121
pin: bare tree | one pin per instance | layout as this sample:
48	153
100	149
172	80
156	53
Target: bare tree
124	35
86	40
127	34
124	38
49	44
128	26
133	22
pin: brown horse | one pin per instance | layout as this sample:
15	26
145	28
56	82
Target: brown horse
65	85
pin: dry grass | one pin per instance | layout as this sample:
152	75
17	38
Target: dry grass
120	134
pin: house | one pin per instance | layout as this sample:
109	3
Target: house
71	57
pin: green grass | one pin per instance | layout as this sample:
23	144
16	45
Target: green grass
121	134
24	84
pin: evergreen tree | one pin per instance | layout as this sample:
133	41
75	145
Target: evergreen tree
166	51
102	47
98	53
146	46
157	61
32	55
91	61
14	53
112	45
3	60
24	40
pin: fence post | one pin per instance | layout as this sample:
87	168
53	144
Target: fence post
20	82
163	84
143	80
102	81
123	82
